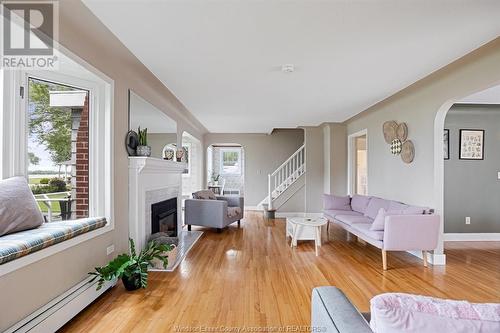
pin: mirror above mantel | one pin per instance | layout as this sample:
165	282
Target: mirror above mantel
162	130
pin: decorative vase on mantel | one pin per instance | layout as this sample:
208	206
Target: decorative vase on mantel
143	151
179	154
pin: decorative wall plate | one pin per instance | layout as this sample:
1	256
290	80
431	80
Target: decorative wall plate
131	142
397	137
390	131
407	152
402	132
396	147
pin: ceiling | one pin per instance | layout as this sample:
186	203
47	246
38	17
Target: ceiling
223	59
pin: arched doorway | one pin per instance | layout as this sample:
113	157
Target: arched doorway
439	160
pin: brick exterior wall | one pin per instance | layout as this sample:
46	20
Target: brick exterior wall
81	183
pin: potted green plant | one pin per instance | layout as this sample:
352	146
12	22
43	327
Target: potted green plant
215	178
143	149
132	268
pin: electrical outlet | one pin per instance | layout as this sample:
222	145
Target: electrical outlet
467	220
498	175
110	249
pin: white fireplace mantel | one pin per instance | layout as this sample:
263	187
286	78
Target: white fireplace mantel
151	180
155	165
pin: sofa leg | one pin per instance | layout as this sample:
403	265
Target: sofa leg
424	257
189	227
384	260
219	230
239	223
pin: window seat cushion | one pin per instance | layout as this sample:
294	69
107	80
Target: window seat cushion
22	243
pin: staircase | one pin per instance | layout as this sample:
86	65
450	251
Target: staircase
286	176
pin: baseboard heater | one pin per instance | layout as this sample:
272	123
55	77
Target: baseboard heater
61	309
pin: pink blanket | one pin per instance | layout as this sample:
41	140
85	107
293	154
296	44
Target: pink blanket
397	312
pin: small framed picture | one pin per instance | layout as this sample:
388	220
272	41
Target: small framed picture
471	144
446	144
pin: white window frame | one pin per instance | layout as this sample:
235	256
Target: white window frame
13	154
229	150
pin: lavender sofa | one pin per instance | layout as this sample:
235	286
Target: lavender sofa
386	224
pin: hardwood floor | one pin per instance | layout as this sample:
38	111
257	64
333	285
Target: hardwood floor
250	276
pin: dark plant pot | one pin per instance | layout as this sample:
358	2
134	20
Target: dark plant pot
132	283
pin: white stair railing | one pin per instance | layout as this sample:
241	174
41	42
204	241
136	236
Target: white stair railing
285	175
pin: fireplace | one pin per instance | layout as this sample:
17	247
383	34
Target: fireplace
164	217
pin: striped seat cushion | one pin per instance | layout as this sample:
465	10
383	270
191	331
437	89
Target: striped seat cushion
19	244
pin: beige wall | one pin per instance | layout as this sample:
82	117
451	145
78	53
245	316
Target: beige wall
263	154
28	288
335	158
314	140
418	105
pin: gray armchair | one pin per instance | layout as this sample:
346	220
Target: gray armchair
214	213
333	312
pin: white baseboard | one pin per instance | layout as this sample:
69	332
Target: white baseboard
433	258
472	237
297	214
56	313
253	208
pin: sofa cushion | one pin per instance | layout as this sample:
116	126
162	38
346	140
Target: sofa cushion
397	312
18	208
374	206
204	195
379	221
332	213
359	203
352	219
25	242
364	228
233	212
414	210
395	205
334	202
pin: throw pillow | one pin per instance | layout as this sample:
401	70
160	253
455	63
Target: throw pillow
334	202
204	195
359	203
374	205
379	221
18	208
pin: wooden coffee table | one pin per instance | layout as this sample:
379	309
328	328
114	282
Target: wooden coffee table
304	228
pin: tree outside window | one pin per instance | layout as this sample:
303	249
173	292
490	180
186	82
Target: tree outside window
230	161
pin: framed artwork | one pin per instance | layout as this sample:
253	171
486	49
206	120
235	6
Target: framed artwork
471	144
446	144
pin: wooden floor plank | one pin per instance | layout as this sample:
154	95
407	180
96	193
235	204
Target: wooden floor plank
250	276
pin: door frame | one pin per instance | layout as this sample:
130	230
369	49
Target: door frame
351	160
